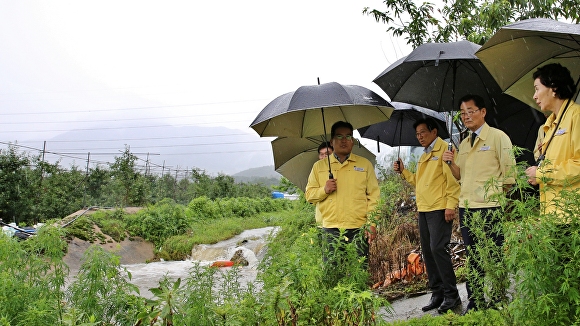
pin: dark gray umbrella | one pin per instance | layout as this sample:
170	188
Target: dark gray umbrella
514	53
312	110
398	130
436	75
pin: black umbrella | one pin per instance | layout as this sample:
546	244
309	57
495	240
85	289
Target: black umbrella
437	75
514	53
312	110
398	130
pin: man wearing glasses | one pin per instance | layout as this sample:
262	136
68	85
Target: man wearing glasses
484	167
437	196
348	197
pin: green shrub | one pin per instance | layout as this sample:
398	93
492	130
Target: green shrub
82	228
177	247
201	208
159	222
543	257
101	290
33	277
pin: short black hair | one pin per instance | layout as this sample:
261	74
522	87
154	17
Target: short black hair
340	124
558	78
428	121
324	145
478	100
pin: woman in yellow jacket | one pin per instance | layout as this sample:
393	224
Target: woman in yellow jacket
559	163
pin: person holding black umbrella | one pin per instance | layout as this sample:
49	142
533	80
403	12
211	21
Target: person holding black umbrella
437	198
484	167
347	199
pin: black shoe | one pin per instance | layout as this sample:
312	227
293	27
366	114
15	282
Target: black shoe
435	302
470	307
449	304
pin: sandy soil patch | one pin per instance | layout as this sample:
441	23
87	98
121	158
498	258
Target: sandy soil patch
133	251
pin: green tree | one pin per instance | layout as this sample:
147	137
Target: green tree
286	186
223	186
473	20
126	176
96	181
16	195
61	191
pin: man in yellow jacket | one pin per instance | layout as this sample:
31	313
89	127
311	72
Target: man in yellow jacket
484	166
437	193
346	199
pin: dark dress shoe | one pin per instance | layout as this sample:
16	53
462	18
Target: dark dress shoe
435	302
448	304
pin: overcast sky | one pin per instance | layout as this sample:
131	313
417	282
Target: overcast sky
82	64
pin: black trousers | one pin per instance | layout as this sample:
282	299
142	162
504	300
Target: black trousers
332	238
435	234
475	289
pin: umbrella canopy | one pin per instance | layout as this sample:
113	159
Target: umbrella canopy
294	157
436	75
398	130
513	53
312	110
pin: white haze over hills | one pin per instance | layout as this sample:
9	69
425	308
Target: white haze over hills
163	149
171	149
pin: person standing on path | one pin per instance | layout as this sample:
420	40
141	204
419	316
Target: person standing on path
437	193
346	200
484	167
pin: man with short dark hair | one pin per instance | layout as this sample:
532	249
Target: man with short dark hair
484	168
347	199
437	193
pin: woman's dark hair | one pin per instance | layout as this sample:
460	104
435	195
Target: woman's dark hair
340	124
558	78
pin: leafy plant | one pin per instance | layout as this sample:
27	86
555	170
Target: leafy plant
101	289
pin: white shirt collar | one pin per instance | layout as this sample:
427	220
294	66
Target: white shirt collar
429	148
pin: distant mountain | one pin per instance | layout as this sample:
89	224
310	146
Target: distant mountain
166	149
265	175
263	171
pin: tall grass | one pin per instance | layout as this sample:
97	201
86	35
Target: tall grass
294	287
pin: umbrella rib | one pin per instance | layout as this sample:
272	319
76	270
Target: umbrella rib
569	38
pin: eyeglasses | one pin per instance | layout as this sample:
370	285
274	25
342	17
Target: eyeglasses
468	113
421	133
341	137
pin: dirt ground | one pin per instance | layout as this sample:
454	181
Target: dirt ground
131	251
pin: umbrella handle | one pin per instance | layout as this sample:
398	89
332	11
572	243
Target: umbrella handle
330	176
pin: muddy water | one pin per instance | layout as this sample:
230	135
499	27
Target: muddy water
252	243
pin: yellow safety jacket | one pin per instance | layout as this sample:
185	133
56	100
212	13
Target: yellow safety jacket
435	186
356	196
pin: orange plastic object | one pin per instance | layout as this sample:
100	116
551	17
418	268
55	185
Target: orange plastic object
222	263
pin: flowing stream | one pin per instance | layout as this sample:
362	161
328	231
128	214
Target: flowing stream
253	244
